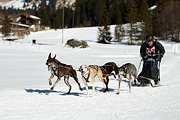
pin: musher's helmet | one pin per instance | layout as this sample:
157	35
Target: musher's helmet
149	38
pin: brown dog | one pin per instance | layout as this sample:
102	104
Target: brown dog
88	74
108	70
59	69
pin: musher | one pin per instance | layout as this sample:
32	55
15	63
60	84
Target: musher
154	50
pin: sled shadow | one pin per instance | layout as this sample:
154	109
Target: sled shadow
47	92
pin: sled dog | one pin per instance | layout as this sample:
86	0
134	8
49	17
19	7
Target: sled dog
59	70
108	70
88	74
127	71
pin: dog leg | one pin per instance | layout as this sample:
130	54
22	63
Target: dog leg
114	75
55	84
135	80
106	83
130	86
86	85
120	79
74	75
50	79
100	76
66	80
93	87
78	84
93	84
130	78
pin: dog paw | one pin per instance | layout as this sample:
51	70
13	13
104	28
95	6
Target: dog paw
105	90
51	88
50	83
117	93
95	91
81	89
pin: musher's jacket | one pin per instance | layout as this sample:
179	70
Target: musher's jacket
153	51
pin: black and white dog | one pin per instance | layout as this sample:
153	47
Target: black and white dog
127	71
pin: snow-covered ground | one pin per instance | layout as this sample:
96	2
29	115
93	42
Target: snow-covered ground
25	93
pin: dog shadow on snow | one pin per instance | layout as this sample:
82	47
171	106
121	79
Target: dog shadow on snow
99	89
127	81
47	92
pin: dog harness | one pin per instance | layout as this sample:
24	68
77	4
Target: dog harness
87	79
104	69
94	67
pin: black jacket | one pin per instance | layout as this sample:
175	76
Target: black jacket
154	51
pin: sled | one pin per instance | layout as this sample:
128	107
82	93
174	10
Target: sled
149	72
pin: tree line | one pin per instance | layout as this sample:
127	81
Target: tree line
103	13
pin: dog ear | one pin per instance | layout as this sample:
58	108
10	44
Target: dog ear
49	55
88	68
80	68
54	56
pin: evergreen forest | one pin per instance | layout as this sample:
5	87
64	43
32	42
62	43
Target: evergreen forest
162	21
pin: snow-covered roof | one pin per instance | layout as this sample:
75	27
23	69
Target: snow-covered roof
153	7
24	25
34	17
29	16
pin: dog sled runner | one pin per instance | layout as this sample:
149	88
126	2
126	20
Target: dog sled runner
150	72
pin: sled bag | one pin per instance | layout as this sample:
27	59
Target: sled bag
149	70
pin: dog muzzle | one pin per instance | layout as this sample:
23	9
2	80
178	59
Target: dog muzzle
49	67
82	72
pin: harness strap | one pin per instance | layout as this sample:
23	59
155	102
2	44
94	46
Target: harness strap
104	69
94	67
87	79
57	70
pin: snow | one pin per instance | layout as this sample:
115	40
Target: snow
153	7
34	17
25	93
16	4
19	24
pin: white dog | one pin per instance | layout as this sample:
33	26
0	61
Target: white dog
88	74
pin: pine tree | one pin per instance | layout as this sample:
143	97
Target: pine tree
78	16
114	14
6	27
104	34
55	20
45	14
132	17
119	29
84	19
123	8
98	11
145	18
